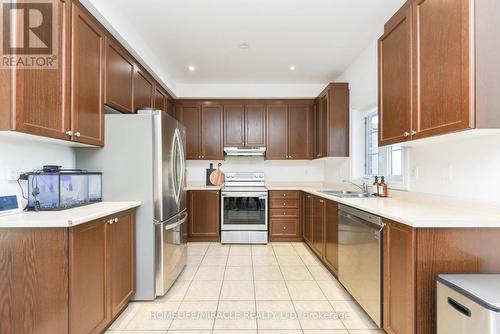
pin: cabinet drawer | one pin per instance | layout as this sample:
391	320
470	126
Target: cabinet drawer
284	194
284	227
284	203
285	213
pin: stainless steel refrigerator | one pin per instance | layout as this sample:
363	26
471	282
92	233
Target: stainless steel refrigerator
143	158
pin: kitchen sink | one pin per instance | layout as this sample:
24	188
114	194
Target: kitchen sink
346	193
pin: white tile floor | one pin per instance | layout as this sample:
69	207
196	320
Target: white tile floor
280	288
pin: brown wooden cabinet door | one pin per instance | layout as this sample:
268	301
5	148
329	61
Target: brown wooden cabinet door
204	215
88	312
318	225
321	126
160	99
255	125
87	91
394	57
143	90
307	231
41	97
170	107
212	147
121	250
331	255
399	278
119	78
189	116
277	132
234	125
300	132
34	276
442	67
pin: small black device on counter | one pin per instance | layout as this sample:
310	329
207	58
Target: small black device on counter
210	170
53	188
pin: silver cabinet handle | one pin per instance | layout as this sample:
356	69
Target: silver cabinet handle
284	213
413	132
69	133
115	220
284	204
110	221
78	134
284	227
321	201
406	134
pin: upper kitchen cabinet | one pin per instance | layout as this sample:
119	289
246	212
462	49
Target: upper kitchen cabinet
159	99
394	54
170	107
204	129
331	120
244	125
255	125
119	78
300	131
87	78
277	130
143	90
212	132
436	60
234	125
189	115
289	131
37	101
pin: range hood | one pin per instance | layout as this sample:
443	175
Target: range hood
245	151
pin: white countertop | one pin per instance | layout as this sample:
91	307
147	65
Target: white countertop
65	218
413	209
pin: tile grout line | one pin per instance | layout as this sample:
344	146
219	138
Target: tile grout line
254	292
288	291
189	285
221	287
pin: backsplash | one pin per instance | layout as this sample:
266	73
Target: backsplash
275	171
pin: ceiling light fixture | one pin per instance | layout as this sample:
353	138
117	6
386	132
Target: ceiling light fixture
191	68
292	68
243	45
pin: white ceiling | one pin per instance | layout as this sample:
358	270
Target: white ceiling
319	37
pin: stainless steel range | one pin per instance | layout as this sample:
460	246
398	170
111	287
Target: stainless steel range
244	209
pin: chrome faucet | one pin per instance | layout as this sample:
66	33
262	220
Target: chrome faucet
363	186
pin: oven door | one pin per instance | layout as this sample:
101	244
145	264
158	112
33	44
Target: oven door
244	211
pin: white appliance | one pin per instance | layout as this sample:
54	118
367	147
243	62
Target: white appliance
468	303
244	209
143	159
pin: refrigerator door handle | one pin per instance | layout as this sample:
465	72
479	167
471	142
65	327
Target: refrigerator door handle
178	158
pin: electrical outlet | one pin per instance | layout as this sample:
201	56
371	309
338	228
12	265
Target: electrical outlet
414	173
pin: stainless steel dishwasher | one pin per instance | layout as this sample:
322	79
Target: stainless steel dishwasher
360	258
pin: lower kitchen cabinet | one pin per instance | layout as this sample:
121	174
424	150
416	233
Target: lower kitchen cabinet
101	271
331	250
285	215
307	231
318	225
399	278
77	279
204	215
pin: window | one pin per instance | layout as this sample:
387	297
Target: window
371	144
388	161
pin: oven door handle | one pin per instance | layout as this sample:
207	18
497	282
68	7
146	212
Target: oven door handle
246	194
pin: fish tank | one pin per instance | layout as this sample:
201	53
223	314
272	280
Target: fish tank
63	190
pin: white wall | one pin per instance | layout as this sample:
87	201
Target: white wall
275	171
24	155
249	91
